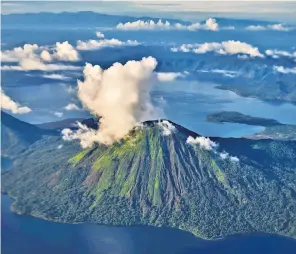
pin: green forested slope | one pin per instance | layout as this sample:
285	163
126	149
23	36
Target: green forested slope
151	179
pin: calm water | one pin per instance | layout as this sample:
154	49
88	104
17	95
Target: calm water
189	102
25	234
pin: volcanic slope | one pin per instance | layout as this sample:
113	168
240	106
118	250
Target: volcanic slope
155	177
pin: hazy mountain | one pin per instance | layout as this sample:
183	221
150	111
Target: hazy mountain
154	179
16	135
68	123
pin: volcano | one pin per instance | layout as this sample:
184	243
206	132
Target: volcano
162	174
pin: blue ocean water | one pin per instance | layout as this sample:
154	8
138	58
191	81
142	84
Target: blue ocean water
25	234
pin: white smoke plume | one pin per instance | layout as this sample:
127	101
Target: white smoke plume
119	95
167	127
8	104
86	136
203	142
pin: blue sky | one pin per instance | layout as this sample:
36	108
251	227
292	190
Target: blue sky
270	10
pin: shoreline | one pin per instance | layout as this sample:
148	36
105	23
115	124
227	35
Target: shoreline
13	210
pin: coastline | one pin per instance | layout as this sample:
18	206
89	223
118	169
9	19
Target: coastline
199	237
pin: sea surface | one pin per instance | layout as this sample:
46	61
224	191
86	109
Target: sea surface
189	102
28	235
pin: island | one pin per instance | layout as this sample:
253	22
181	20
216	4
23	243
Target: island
274	129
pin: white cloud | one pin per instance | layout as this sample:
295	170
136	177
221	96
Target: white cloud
169	76
224	155
30	65
203	142
276	27
225	48
167	127
58	114
144	25
100	35
234	159
62	51
275	53
225	73
30	57
210	24
71	106
284	70
98	44
56	76
120	95
18	53
8	104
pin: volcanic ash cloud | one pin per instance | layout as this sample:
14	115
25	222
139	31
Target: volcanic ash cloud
119	95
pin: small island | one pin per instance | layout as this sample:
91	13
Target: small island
274	129
236	117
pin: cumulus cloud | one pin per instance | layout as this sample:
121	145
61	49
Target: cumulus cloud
274	53
169	76
58	114
56	76
167	127
120	96
71	106
234	158
276	27
33	57
224	155
284	70
8	104
18	53
203	142
100	35
98	44
224	48
63	52
210	24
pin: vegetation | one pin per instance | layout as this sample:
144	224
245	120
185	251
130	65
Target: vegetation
236	117
151	179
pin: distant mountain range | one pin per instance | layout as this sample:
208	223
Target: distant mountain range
152	177
93	19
